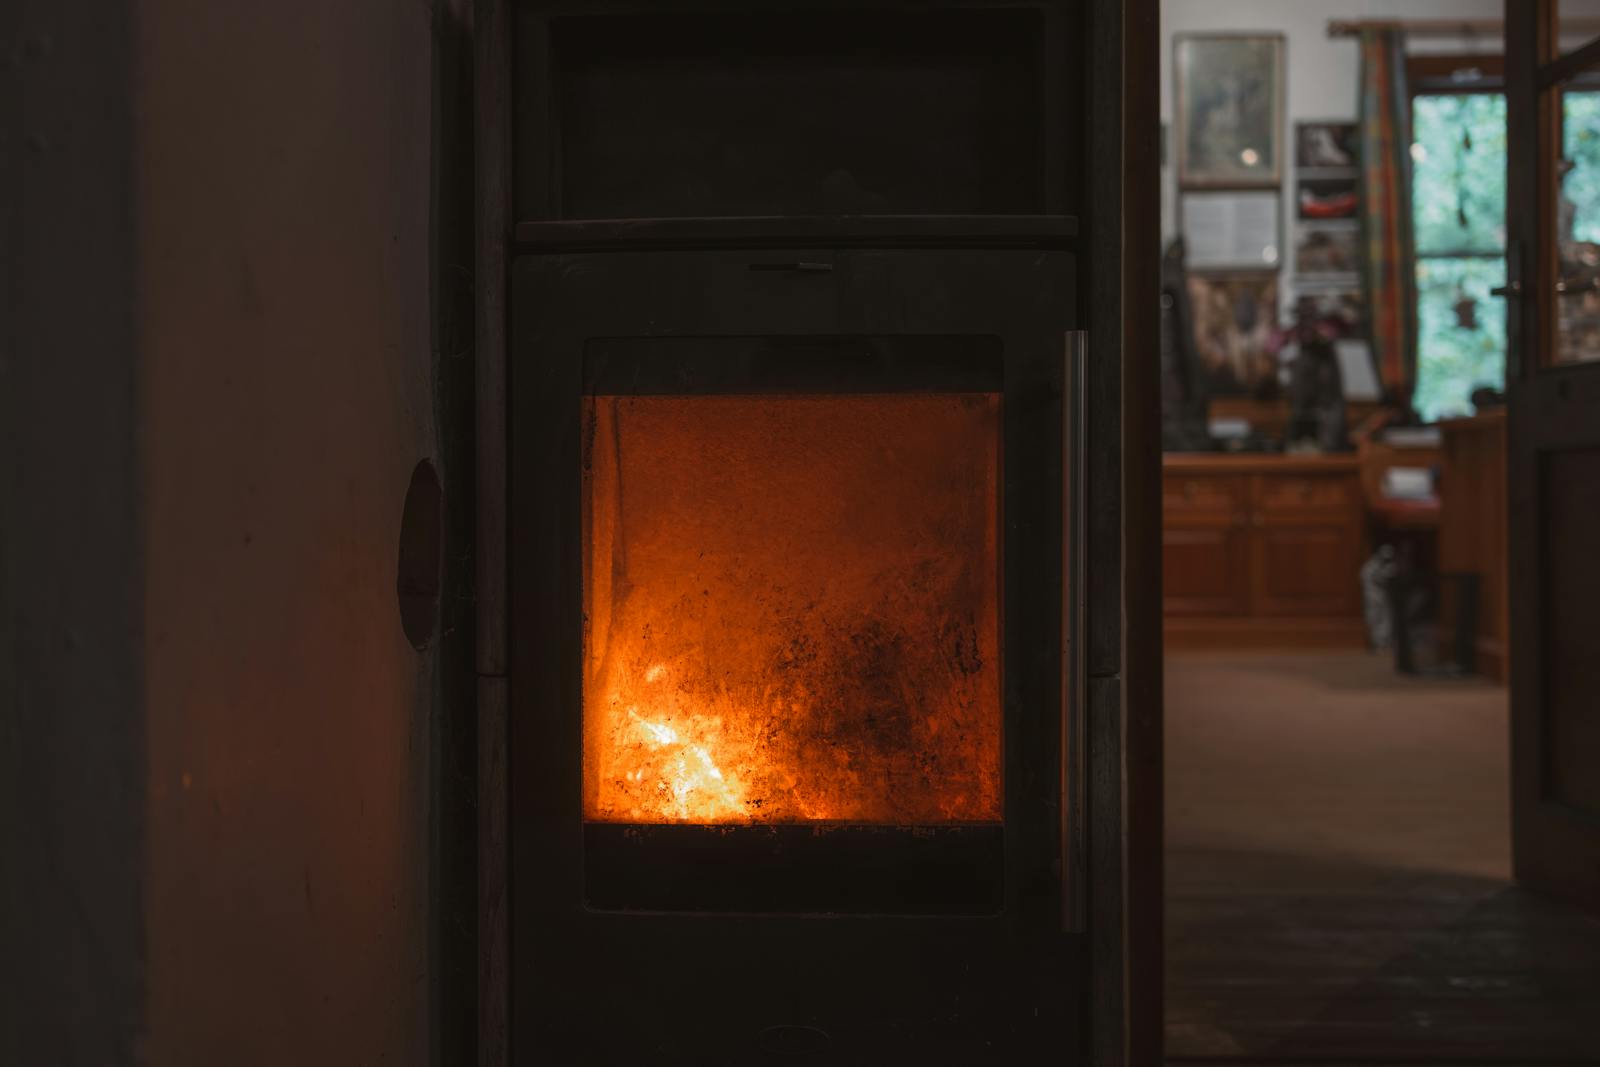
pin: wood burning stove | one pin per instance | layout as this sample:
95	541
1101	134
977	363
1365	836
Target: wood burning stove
795	743
787	629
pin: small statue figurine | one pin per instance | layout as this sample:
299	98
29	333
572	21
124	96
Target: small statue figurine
1316	386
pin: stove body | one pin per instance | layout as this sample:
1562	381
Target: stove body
796	737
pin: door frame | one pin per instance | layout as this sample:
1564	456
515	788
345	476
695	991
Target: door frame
1126	46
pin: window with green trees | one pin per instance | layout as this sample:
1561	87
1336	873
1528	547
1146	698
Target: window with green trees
1459	210
1581	146
1459	213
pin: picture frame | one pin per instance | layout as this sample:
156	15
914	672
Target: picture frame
1228	118
1235	317
1232	230
1327	145
1327	250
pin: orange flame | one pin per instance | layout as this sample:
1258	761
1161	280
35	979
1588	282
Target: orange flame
827	652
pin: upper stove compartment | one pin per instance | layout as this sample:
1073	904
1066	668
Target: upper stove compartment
675	114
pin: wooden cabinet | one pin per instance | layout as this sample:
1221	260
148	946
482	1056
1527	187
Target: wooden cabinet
1262	551
1205	557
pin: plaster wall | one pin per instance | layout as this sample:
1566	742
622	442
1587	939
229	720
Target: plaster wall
283	179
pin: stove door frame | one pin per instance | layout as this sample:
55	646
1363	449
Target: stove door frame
1018	981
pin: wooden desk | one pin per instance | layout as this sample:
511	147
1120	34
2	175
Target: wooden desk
1472	527
1263	551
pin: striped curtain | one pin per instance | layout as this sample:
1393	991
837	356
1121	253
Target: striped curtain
1388	251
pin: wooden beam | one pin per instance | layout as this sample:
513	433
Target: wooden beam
1447	28
1565	68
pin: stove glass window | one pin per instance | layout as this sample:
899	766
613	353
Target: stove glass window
792	609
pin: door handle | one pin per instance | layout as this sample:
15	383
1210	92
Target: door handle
1509	289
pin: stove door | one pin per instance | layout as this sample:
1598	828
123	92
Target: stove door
791	738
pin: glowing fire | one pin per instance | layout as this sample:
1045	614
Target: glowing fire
684	770
827	652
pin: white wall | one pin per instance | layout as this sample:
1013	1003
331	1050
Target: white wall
285	160
216	371
1321	72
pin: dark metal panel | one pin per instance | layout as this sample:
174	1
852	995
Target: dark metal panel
794	111
814	364
1055	133
795	870
1065	118
535	146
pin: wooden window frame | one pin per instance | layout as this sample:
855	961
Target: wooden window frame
1435	75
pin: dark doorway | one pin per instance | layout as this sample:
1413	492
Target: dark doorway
1370	859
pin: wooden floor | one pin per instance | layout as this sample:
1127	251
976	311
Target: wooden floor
1338	865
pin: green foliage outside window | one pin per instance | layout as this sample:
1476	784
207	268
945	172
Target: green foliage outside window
1459	173
1454	360
1582	147
1459	205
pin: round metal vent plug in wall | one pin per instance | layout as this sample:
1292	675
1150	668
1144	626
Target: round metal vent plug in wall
421	535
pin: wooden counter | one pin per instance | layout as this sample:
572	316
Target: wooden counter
1472	526
1262	551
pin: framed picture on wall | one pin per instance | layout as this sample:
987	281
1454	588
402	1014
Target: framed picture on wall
1232	230
1326	145
1228	114
1324	249
1235	316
